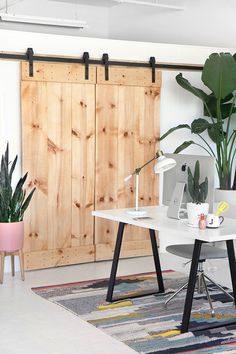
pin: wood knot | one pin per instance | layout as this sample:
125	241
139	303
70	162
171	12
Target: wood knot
30	184
60	251
40	184
101	199
84	235
35	125
83	104
77	204
104	130
89	136
52	147
111	199
75	133
110	165
126	134
107	231
112	105
33	234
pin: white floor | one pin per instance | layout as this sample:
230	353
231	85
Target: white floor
30	324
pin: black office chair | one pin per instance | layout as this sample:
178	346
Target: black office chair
207	252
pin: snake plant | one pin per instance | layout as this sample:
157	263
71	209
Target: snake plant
13	201
198	191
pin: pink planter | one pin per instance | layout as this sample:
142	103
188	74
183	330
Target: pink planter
11	236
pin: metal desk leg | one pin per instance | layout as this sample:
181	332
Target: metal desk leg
232	265
191	286
115	261
157	261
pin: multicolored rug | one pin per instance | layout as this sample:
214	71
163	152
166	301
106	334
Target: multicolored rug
144	323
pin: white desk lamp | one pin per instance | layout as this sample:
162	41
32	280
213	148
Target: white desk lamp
163	164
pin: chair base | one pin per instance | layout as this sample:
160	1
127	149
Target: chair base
201	288
3	254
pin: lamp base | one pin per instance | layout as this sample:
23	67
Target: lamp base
136	212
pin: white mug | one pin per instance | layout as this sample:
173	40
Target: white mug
214	220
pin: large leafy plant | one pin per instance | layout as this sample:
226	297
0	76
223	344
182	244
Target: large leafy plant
13	203
198	191
219	75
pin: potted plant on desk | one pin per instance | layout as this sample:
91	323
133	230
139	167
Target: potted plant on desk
198	192
13	204
214	131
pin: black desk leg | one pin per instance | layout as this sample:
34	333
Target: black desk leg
115	261
157	261
232	265
191	286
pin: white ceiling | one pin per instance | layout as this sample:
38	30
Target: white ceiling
202	22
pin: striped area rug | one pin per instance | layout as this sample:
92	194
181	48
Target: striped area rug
144	323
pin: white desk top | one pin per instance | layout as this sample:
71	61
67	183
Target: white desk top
160	222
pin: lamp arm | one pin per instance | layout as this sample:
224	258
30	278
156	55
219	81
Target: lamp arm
137	170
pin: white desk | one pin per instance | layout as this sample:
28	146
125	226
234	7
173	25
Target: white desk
160	222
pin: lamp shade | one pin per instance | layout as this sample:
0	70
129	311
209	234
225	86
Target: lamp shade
164	164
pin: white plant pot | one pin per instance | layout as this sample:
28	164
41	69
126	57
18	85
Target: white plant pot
194	211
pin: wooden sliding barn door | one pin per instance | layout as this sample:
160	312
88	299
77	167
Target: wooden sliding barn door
58	134
127	131
80	139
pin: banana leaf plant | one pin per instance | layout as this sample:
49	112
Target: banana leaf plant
215	126
13	202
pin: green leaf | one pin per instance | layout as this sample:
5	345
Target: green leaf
27	201
181	126
183	146
18	189
215	132
219	74
194	90
227	98
6	157
224	107
12	168
190	183
197	171
199	125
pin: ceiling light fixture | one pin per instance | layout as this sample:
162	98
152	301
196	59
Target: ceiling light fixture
47	21
148	3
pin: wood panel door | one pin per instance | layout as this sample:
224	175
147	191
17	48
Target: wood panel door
58	135
127	132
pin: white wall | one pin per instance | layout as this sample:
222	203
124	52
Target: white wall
177	106
203	22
